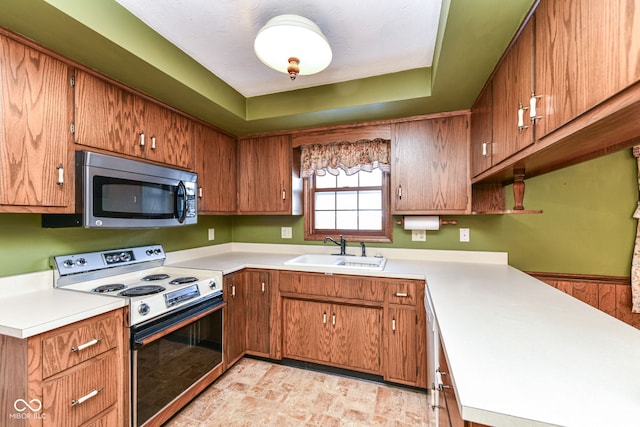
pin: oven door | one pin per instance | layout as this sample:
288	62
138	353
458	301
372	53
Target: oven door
171	354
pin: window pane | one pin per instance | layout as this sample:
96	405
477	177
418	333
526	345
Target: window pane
347	181
325	201
325	220
370	220
326	181
347	220
370	199
371	179
347	200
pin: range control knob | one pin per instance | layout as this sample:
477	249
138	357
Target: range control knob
149	252
144	309
81	261
213	284
68	263
157	251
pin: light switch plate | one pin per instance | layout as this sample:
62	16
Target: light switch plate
464	235
418	235
211	234
286	232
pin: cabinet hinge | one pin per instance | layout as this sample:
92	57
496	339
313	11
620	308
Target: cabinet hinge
72	128
72	81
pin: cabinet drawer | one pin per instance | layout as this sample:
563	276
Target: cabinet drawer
87	390
334	286
402	293
80	341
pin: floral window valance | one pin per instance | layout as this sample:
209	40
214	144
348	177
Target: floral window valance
351	157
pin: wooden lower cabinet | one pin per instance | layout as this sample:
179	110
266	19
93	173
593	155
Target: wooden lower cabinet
342	335
63	382
234	318
258	312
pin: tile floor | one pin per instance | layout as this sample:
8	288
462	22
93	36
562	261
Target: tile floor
260	393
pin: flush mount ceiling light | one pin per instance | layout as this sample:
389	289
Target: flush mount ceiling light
294	45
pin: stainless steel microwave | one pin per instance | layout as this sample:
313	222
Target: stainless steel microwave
113	192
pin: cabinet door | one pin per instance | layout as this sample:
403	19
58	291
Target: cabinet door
104	115
577	69
430	171
34	136
235	319
216	168
482	132
306	331
355	341
258	301
402	349
512	88
167	135
265	174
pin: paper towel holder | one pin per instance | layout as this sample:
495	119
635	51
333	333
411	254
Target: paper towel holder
442	221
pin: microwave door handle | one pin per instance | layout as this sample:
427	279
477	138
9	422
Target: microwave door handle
181	193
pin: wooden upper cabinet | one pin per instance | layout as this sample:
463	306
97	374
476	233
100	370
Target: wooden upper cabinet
104	115
430	166
168	136
110	118
216	168
586	51
512	89
265	176
482	131
34	136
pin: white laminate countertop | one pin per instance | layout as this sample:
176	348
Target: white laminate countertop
30	305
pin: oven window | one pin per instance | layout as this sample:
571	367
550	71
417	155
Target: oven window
121	198
169	365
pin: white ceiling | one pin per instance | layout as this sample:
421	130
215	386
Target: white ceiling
219	34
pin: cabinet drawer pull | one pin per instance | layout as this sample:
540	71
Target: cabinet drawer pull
393	325
333	319
533	113
141	139
263	287
86	345
86	397
324	318
485	151
233	291
402	294
60	175
521	126
153	142
400	192
284	195
200	192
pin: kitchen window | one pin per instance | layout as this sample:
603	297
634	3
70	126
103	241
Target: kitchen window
347	197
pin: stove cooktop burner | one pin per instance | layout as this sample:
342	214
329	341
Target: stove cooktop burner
152	277
183	280
109	288
141	290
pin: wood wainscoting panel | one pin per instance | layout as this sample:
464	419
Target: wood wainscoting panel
611	294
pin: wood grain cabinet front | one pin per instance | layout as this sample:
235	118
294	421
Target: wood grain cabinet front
75	375
430	166
36	167
235	320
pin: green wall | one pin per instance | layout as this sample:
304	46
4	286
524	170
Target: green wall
586	227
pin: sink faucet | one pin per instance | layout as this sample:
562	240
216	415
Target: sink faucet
364	249
342	243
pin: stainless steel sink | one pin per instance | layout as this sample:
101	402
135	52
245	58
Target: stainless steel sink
340	261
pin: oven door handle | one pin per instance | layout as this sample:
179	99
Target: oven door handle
170	326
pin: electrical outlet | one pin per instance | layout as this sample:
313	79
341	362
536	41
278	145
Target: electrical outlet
211	234
464	235
418	235
286	232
